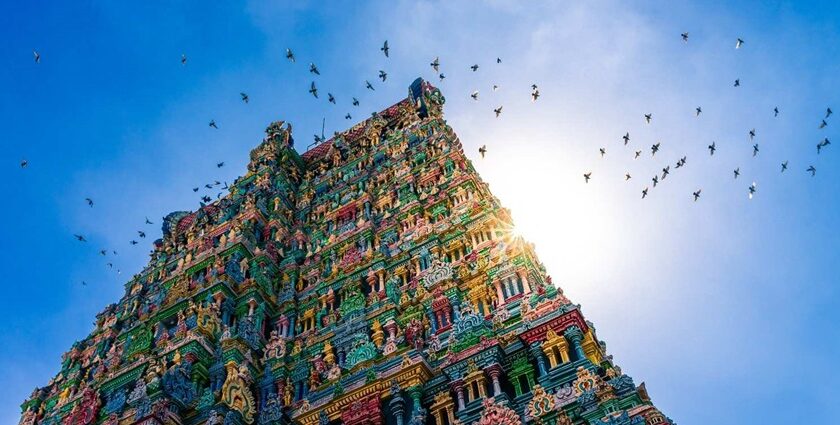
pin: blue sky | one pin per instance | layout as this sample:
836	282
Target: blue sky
726	307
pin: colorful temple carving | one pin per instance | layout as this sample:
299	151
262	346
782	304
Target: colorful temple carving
372	280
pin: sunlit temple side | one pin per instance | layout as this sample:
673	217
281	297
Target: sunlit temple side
373	280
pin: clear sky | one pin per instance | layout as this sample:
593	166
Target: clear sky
726	307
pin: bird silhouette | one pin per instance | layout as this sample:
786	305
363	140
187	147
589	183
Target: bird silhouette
823	124
654	149
603	152
84	283
498	60
23	163
213	124
206	198
684	37
784	166
474	67
482	150
289	55
314	69
627	176
474	95
141	233
148	221
80	238
737	172
368	85
752	134
244	97
752	190
183	59
330	98
737	82
495	87
436	64
644	193
133	242
666	171
103	252
755	149
828	112
355	102
655	180
739	43
775	112
441	76
587	176
812	170
637	154
313	90
680	163
825	142
498	111
208	186
348	117
648	117
626	138
195	189
697	111
535	95
385	48
36	56
89	202
712	149
383	75
696	195
220	164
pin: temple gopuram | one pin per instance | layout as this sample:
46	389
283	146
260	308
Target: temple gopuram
372	280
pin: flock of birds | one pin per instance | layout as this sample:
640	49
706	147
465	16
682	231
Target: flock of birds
657	178
535	95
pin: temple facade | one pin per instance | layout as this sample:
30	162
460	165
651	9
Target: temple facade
372	280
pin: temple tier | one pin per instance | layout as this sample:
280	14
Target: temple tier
372	280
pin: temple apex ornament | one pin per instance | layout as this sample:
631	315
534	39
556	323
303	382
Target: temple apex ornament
370	280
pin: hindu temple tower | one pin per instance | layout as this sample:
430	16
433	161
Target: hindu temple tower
372	280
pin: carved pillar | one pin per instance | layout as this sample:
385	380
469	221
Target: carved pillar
415	393
537	352
397	406
499	293
458	386
575	335
495	372
523	274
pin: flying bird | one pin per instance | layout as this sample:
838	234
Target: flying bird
697	111
812	170
133	242
498	111
474	95
314	69
141	233
637	154
684	37
680	163
739	43
627	176
289	55
587	176
655	180
474	67
626	138
498	60
244	97
441	76
183	59
84	283
195	189
822	144
654	149
103	252
755	149
80	238
330	98
535	95
385	48
784	166
737	82
823	124
23	163
644	193
648	117
313	90
737	172
775	112
482	150
148	221
348	117
752	190
696	195
752	134
213	124
89	202
665	172
828	112
37	56
208	186
368	85
355	102
383	75
220	164
495	87
436	64
533	86
603	152
206	198
712	149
